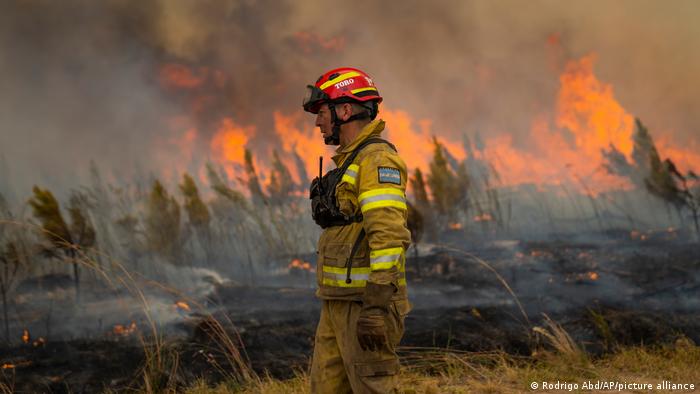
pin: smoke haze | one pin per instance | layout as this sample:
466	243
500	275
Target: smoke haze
82	80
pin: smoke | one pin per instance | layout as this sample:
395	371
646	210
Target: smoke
80	80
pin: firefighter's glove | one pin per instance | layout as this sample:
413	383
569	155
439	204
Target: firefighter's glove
371	329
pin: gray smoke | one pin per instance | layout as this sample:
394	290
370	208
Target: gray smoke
80	79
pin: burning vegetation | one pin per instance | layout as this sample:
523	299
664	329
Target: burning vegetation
554	245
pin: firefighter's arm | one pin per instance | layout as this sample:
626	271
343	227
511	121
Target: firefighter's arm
382	200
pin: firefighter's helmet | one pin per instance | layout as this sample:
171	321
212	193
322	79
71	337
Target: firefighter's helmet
341	85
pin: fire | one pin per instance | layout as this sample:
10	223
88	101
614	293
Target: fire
228	144
634	234
455	226
592	275
181	77
25	336
565	144
8	366
414	143
484	217
304	141
588	111
301	265
182	305
587	107
124	330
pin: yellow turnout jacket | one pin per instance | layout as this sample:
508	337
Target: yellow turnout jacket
375	185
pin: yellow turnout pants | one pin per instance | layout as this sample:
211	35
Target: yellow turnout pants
339	363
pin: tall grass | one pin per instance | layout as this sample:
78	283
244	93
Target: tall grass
160	370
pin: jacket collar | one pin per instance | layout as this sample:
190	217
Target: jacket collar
372	129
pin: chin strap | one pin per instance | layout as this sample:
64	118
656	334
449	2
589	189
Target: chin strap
334	138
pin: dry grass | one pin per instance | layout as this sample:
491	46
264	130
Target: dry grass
442	371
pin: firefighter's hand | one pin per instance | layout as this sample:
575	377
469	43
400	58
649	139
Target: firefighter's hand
371	332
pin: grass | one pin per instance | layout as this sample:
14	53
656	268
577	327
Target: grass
443	371
425	370
559	359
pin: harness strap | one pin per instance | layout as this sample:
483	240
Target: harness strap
355	246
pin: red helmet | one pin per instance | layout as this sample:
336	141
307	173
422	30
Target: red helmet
341	85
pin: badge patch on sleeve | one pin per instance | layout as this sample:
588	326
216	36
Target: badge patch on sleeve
389	175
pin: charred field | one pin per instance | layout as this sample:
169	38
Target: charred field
155	162
615	291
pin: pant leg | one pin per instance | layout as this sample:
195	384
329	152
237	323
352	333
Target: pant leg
368	371
327	369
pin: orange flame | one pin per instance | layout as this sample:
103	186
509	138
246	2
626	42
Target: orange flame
565	145
182	305
592	275
484	217
8	366
228	144
455	226
25	336
180	76
299	264
589	110
124	330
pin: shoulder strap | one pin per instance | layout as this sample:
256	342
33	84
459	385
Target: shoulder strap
357	150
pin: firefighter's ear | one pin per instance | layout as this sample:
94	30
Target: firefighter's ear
345	111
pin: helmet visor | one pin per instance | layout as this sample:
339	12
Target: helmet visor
313	99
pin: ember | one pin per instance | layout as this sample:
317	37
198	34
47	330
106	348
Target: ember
124	330
25	336
182	306
455	226
484	217
301	265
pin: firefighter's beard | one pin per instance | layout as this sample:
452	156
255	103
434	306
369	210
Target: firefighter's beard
334	137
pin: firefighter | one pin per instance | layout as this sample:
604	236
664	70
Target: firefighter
361	206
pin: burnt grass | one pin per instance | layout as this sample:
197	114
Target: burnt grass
617	291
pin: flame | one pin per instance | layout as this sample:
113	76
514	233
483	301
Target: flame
484	217
565	143
587	107
228	144
179	76
455	226
588	111
25	336
304	141
124	330
299	264
638	235
416	144
8	366
592	275
182	305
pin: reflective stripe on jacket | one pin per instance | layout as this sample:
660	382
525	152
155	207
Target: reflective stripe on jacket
374	185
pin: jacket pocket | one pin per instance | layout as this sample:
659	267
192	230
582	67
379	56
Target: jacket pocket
336	255
378	368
